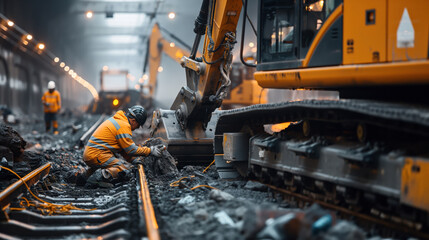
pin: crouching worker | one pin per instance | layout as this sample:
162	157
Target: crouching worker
112	137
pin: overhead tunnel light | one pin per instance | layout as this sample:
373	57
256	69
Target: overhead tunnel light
41	46
56	59
29	37
171	15
62	64
89	14
10	23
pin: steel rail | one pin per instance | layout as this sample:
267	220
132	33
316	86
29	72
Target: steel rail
87	134
17	188
149	214
375	220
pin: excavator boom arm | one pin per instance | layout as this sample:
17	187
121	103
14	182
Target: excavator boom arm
207	78
158	45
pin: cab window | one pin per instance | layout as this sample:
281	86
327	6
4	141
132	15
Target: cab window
287	29
278	30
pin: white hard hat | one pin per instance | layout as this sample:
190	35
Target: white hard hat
51	85
11	118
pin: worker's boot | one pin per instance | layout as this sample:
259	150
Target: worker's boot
100	178
82	176
123	176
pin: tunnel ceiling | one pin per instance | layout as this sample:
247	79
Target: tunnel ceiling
115	36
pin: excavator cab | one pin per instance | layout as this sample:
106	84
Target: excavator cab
287	29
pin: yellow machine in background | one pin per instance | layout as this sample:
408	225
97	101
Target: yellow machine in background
158	45
115	93
244	90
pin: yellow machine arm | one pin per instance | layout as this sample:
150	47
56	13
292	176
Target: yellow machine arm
207	78
158	45
189	126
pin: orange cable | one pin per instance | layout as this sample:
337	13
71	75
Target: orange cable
46	207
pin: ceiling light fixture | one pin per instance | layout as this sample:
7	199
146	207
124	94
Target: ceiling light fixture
171	15
89	14
41	46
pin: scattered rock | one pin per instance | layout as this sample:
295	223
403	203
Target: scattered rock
255	186
240	212
201	214
34	159
219	195
186	200
11	139
224	219
6	153
345	230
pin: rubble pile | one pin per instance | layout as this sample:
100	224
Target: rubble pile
11	139
25	147
13	155
154	166
216	209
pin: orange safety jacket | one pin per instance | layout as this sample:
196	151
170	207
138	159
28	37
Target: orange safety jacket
51	101
114	135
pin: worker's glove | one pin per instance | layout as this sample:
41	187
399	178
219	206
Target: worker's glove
137	161
157	150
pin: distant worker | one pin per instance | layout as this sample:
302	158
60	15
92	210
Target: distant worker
52	104
8	116
114	136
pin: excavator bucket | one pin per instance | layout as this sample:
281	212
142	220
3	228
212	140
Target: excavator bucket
190	146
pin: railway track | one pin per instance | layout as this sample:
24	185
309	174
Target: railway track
123	212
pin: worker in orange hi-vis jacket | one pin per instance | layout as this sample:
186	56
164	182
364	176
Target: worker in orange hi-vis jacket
51	105
113	137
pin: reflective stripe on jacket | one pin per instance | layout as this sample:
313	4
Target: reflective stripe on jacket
51	101
114	135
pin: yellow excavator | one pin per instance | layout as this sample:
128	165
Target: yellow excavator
157	45
244	90
366	151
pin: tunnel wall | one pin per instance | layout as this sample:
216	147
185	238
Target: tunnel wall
24	79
